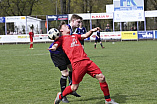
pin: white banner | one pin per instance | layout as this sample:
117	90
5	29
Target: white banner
106	35
8	38
87	16
23	38
16	19
101	15
152	13
110	8
128	16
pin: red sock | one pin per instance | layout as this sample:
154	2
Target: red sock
30	45
104	88
66	91
108	99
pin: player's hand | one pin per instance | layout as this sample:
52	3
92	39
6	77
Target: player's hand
50	49
53	48
95	29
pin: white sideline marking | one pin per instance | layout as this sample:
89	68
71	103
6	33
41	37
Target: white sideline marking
33	54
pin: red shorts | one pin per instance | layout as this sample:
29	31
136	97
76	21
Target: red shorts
31	39
81	68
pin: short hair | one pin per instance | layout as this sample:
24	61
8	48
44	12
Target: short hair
60	25
75	16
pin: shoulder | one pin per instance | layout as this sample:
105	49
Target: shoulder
84	28
76	30
74	35
69	26
77	35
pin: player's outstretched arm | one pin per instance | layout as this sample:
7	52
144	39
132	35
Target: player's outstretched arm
54	47
89	33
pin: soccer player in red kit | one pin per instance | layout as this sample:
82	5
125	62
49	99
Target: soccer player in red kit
81	63
31	35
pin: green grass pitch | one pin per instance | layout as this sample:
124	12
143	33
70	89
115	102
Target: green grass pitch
130	67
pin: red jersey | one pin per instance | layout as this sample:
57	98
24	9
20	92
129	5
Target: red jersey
31	35
72	47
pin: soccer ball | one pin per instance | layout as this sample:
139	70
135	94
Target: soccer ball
53	34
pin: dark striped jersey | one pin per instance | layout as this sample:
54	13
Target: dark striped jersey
80	30
57	51
98	35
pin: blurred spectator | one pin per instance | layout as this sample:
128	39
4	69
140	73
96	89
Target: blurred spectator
135	29
107	29
125	27
8	32
11	33
108	25
20	32
131	29
14	33
41	31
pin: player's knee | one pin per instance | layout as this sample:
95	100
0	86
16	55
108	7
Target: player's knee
65	72
74	87
100	77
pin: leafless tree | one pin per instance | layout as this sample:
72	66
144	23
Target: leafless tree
63	6
17	7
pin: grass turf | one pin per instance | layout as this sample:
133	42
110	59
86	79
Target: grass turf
29	76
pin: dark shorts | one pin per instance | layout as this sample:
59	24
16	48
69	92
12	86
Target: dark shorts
82	42
60	60
97	40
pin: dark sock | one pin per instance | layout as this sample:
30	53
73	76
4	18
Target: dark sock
63	82
101	44
94	45
70	77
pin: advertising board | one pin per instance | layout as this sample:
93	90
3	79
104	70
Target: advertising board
128	10
129	35
23	38
2	19
155	34
107	35
145	35
57	17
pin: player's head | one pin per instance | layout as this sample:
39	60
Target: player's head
75	20
64	28
80	25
